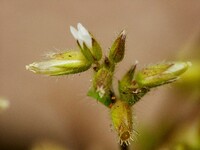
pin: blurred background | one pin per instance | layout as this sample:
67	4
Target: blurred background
55	113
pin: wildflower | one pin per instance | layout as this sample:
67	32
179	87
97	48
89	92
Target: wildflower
87	43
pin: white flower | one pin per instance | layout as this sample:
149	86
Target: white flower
82	35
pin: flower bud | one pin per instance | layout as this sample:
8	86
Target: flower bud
87	43
128	88
159	74
121	115
69	62
117	50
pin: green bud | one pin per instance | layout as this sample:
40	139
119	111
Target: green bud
117	50
159	74
101	89
69	62
103	79
129	90
121	115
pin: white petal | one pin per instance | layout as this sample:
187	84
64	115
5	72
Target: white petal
82	30
74	32
88	41
84	35
176	67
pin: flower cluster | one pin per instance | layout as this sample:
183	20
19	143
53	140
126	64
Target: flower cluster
131	87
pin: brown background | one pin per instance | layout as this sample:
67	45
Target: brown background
56	108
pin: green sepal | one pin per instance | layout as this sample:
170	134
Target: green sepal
128	77
92	54
96	50
86	52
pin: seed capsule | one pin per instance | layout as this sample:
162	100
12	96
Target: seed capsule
121	115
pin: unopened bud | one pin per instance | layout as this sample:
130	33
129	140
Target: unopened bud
101	89
159	74
117	50
128	90
69	62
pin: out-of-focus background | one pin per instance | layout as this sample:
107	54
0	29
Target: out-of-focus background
55	111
